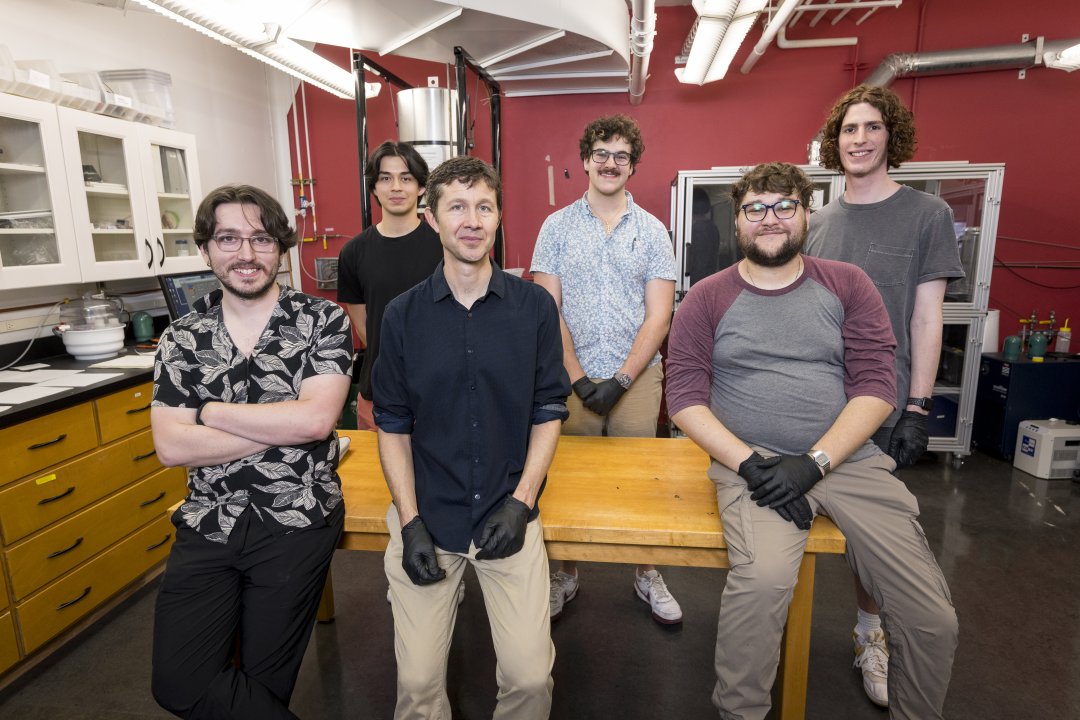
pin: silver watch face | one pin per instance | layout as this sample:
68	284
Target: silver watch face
624	380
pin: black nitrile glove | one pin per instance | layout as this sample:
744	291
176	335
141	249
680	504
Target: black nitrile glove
418	555
909	439
756	469
607	394
797	511
504	531
792	477
584	388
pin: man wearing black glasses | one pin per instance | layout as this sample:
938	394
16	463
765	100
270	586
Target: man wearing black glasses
781	367
905	241
610	266
247	389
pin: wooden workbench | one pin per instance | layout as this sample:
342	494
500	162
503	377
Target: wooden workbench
621	500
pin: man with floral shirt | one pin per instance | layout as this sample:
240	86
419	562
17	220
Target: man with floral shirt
247	390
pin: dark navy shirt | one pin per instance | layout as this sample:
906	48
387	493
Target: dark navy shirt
468	385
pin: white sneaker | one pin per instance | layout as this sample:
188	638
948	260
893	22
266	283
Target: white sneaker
460	593
563	589
651	588
872	657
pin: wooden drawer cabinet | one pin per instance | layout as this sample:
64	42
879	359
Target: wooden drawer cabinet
33	503
9	646
50	611
41	442
122	413
83	514
64	545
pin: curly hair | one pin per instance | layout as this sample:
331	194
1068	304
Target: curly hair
774	177
273	217
609	127
466	170
898	121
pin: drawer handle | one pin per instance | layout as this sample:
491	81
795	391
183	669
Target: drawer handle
69	603
151	502
54	498
155	546
150	454
144	408
68	549
47	443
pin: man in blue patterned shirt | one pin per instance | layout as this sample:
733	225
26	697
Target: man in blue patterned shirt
610	266
247	389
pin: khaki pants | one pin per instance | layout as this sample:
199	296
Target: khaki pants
886	549
633	416
516	595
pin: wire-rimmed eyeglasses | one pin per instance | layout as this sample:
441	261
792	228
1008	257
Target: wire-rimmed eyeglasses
600	156
783	210
232	243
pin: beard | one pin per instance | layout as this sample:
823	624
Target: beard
245	292
784	254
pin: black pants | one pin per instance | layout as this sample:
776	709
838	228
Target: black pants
262	588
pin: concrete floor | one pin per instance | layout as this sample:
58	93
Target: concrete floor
1007	542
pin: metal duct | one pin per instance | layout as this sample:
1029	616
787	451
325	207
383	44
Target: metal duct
952	62
642	32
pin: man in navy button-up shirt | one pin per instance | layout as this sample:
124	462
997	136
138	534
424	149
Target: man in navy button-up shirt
469	391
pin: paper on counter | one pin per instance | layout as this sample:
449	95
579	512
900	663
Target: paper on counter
80	380
32	366
4	407
28	393
126	361
34	376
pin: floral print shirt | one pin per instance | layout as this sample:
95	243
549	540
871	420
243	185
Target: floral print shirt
288	487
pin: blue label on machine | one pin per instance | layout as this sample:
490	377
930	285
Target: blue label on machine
1027	446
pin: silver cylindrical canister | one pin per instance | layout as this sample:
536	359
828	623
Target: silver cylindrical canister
427	120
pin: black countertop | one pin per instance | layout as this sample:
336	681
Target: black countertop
71	396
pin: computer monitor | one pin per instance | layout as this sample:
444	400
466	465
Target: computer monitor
183	289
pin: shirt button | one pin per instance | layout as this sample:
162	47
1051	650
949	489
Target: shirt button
474	423
476	461
468	350
469	314
476	497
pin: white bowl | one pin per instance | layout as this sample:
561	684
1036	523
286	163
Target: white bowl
96	344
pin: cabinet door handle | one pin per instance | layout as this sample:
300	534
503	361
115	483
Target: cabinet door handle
151	502
69	603
47	443
161	247
150	252
69	548
150	454
135	411
54	498
164	540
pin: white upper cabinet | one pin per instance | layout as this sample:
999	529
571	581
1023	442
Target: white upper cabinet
37	237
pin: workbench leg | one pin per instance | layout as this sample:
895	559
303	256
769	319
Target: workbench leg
326	603
795	649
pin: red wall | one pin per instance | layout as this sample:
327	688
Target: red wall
771	114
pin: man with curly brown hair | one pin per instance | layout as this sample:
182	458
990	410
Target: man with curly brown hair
610	266
905	241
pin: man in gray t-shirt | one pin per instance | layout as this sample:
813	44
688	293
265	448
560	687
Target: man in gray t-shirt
904	240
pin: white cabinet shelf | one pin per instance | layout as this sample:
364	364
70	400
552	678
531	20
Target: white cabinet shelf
16	169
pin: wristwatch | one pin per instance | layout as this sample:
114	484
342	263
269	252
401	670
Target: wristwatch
623	379
926	403
821	460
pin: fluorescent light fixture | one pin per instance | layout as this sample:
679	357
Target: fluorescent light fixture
721	27
1067	59
262	42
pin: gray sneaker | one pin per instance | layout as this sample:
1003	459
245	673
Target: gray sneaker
651	588
563	590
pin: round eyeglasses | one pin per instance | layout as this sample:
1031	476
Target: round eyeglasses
783	210
259	243
600	156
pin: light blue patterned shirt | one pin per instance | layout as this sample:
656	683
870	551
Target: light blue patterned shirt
603	278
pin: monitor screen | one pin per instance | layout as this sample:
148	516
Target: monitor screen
183	289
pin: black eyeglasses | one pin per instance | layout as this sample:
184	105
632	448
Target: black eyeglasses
232	243
600	157
783	210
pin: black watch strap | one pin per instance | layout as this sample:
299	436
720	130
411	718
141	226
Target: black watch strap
926	403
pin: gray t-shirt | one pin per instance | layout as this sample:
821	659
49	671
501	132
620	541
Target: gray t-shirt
902	241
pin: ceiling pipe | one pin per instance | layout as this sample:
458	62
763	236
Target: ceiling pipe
642	32
778	21
952	62
955	62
